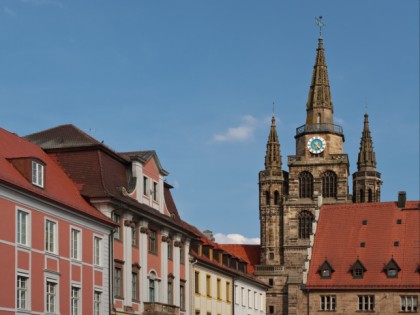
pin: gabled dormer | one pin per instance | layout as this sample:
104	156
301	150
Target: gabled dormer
32	168
325	270
358	269
391	269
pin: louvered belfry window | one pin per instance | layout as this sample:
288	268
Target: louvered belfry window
305	224
329	184
306	187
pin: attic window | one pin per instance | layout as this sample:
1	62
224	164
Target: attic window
37	174
362	244
392	269
358	270
364	222
399	221
396	243
325	270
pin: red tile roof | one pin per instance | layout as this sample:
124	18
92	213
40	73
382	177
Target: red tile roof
340	231
57	186
249	253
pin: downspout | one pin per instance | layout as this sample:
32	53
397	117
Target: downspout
233	296
307	302
111	271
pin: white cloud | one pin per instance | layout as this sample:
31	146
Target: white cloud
9	11
235	239
243	132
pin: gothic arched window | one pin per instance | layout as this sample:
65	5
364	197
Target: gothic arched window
267	197
329	184
306	187
370	196
305	224
276	197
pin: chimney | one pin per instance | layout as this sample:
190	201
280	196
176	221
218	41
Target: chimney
402	197
209	235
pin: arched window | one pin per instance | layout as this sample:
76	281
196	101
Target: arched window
276	197
370	196
362	195
267	197
305	224
329	184
306	187
152	287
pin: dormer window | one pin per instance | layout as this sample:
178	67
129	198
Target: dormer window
358	270
37	174
325	271
392	269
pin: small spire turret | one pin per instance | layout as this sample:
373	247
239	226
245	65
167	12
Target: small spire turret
273	156
366	160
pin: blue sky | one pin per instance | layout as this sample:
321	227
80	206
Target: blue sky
195	81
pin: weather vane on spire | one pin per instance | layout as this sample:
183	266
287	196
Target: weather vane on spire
320	23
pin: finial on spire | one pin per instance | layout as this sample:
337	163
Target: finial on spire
320	23
366	106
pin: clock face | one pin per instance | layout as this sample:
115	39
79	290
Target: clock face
316	145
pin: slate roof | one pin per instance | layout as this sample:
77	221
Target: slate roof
57	186
340	232
247	252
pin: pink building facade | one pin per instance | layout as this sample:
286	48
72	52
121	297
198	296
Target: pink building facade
54	246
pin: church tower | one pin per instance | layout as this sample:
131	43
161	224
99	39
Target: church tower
366	181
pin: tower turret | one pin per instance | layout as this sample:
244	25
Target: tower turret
366	181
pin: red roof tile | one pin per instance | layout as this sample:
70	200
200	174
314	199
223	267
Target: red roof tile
57	187
340	232
249	253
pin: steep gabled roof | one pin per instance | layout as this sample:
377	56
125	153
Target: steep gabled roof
57	186
389	232
247	252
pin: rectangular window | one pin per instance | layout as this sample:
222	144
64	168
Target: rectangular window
51	297
409	303
37	174
170	250
197	282
366	303
153	242
243	297
155	191
228	291
328	302
152	290
50	236
22	227
134	235
134	286
22	293
181	254
236	297
117	282
75	301
208	285
97	297
145	185
271	309
182	296
75	244
219	289
117	219
170	293
97	242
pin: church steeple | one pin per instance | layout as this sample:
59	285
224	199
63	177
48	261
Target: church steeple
319	107
366	181
366	160
272	156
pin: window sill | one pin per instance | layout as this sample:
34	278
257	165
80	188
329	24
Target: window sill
52	254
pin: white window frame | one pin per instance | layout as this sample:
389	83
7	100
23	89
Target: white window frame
75	243
48	248
117	233
155	191
97	250
23	291
327	302
146	186
97	302
75	296
370	302
409	303
26	229
55	295
38	174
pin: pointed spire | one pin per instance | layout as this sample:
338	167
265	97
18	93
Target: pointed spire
319	98
367	158
272	156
